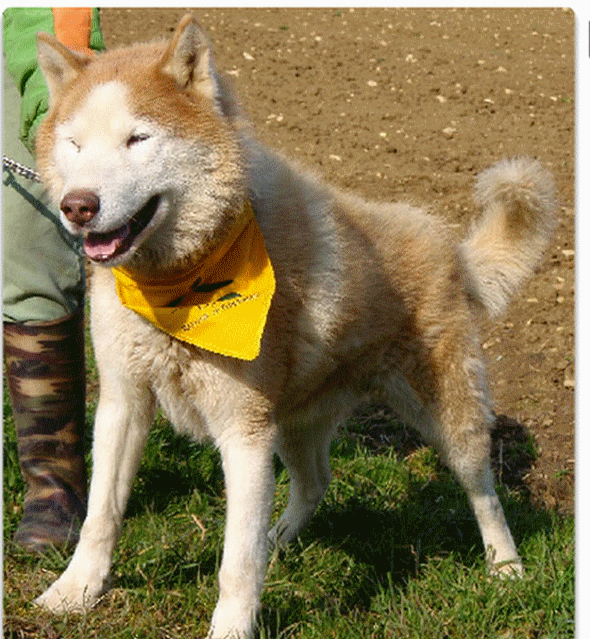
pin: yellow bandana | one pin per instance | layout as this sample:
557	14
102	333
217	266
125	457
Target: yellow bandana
220	304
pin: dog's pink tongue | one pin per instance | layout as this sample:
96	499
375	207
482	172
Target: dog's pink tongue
102	246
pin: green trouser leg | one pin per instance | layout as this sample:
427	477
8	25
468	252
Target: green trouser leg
43	265
45	372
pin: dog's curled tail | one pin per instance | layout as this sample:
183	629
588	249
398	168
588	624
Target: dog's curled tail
504	245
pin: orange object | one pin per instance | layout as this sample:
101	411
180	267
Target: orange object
72	27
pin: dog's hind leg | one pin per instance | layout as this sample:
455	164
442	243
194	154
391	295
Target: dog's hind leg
466	445
305	452
247	459
466	420
449	406
122	424
501	553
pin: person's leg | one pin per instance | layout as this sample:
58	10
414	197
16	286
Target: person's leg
43	301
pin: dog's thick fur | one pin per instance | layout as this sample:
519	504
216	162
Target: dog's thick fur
370	299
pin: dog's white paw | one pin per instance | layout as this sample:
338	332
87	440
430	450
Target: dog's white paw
511	569
233	618
71	594
291	522
502	559
281	534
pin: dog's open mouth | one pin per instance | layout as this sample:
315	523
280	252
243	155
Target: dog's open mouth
103	247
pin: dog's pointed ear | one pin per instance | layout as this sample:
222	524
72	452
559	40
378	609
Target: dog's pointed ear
58	64
189	61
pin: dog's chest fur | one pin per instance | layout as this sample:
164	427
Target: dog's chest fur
183	379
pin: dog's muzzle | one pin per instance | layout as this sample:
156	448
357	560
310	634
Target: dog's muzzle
81	206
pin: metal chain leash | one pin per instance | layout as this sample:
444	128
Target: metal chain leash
20	169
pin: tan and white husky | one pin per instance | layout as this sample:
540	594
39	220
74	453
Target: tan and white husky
146	153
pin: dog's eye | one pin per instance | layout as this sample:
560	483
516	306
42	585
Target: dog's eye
136	139
74	144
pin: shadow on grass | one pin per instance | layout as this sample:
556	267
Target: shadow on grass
173	467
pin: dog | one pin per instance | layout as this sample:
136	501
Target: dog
147	154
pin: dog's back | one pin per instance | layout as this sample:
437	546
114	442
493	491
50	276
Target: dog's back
361	274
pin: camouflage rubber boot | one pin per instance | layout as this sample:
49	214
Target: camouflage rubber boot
45	371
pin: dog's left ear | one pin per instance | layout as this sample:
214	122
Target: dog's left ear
60	66
188	60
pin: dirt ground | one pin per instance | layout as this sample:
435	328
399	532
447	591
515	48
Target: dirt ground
413	103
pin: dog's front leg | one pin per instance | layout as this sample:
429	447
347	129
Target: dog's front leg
120	432
249	479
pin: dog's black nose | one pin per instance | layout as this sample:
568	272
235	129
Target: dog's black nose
80	206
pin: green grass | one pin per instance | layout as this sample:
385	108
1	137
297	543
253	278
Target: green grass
392	552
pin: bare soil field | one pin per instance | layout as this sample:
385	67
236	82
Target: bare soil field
412	104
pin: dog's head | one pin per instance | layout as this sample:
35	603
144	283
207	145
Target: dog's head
140	139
